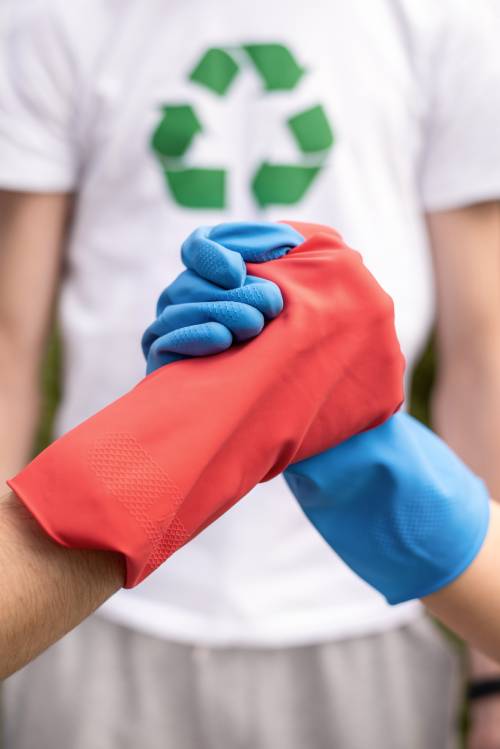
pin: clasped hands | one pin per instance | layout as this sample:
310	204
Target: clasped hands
306	381
393	501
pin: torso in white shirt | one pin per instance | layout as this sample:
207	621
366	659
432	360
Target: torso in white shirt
261	574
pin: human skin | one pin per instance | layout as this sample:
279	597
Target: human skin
45	589
32	240
470	605
466	399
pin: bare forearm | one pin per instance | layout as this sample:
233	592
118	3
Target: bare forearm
45	589
19	408
466	412
465	244
470	606
32	238
466	402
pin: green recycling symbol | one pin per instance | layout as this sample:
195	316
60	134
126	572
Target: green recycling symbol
271	184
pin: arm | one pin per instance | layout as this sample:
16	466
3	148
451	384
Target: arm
45	589
466	399
136	489
124	482
408	493
427	522
32	228
470	606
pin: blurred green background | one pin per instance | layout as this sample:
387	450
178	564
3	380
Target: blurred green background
51	388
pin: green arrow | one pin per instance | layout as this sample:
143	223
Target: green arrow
174	134
312	130
198	188
282	184
276	66
216	70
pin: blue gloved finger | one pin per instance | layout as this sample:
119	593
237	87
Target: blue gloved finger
197	340
257	292
213	261
242	321
218	253
157	358
257	242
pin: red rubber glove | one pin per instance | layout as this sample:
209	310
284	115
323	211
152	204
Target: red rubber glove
149	472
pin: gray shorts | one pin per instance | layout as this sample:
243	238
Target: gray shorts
107	687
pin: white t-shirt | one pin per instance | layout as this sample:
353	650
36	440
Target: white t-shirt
409	91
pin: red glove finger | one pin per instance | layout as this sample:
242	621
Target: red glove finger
150	471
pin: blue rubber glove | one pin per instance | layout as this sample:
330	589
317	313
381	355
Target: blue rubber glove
218	253
215	302
397	506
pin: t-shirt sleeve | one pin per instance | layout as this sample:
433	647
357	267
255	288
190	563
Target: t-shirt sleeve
461	156
37	102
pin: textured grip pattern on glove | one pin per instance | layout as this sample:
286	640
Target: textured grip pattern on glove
175	536
397	506
207	265
131	476
185	340
217	253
